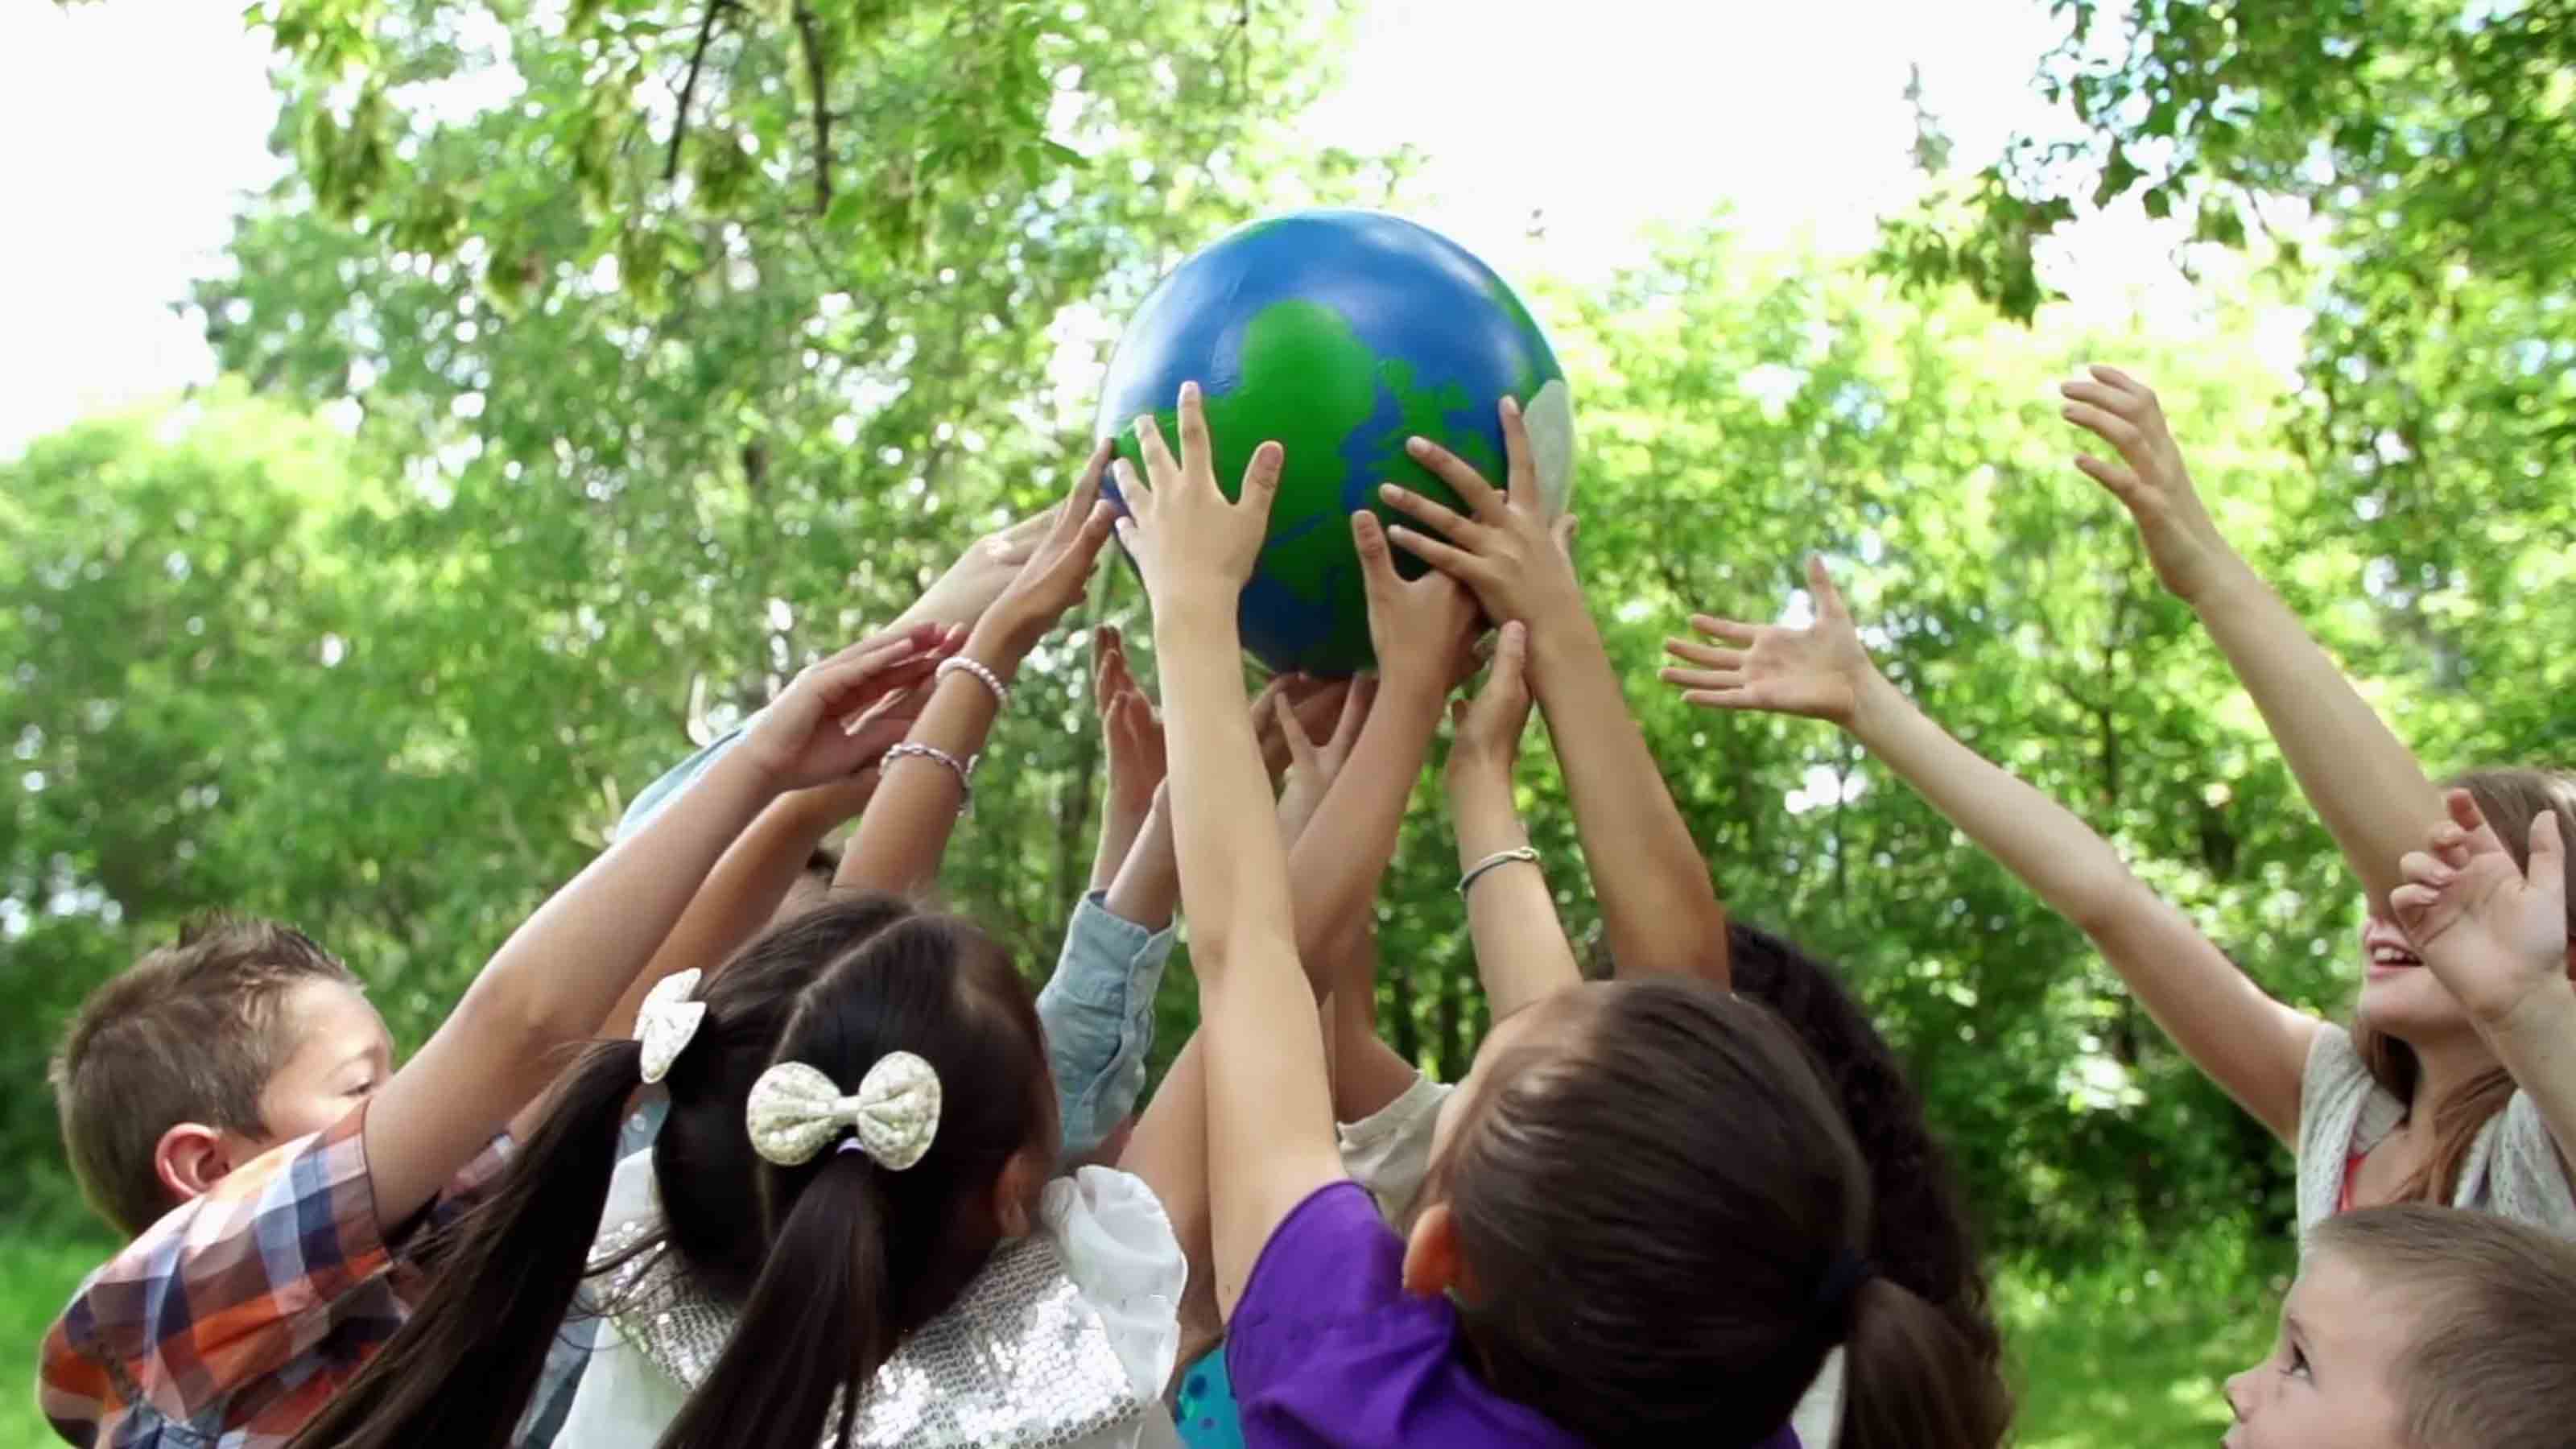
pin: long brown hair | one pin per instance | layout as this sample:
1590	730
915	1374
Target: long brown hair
1660	1217
830	1263
2510	800
1921	1236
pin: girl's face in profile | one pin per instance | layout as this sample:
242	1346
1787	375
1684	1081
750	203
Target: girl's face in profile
2326	1385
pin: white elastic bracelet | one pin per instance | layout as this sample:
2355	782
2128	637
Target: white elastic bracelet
960	664
965	773
1500	857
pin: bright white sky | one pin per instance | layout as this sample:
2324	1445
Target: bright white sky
133	124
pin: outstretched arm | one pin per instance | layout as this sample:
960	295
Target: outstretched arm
559	974
902	838
1269	1104
747	885
1422	629
1659	907
2361	779
1521	952
2251	1045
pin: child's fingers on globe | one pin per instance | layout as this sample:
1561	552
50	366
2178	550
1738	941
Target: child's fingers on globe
1455	562
1377	565
1132	488
1149	441
1430	512
1193	417
1458	473
1086	487
1261	476
1520	465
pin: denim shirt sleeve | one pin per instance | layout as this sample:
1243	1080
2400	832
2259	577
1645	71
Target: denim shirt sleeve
666	789
1098	1010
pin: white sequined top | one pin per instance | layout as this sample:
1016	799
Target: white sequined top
1065	1340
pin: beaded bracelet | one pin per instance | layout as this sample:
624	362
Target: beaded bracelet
1476	872
965	773
960	664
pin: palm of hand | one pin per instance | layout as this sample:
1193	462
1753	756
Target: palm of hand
2489	936
2490	930
1810	671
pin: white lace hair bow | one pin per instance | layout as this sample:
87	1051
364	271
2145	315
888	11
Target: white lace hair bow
795	1111
667	1020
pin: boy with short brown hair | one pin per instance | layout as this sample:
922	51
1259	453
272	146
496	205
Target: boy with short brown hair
176	1065
2419	1327
303	1174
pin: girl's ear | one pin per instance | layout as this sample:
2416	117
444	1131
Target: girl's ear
1432	1266
1016	1190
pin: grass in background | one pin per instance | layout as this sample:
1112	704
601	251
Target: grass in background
2127	1353
2137	1349
39	1268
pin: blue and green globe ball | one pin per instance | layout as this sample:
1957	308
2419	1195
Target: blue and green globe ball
1338	334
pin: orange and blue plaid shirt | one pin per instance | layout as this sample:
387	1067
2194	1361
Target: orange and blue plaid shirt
232	1321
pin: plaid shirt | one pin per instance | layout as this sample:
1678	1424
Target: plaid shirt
232	1321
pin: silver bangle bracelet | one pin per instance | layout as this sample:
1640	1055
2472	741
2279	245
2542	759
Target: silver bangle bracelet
1477	871
965	772
960	664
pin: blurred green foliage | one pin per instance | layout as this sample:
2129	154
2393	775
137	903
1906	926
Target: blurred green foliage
539	455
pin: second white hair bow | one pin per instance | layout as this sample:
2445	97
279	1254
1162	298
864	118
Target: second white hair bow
666	1021
795	1111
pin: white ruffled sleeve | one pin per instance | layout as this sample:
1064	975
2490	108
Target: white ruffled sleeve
1123	1257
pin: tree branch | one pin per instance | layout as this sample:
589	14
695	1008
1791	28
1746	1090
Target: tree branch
813	48
689	87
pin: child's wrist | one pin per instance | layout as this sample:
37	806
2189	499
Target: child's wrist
2544	1016
1002	638
1877	705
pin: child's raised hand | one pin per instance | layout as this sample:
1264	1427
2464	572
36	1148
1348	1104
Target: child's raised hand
1423	629
1188	541
1059	564
817	730
1129	727
984	570
1820	671
2155	486
1518	561
1488	729
2492	932
1312	768
886	722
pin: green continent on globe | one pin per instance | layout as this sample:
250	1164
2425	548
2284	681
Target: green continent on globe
1309	383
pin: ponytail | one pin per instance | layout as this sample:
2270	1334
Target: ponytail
461	1370
1912	1380
820	1320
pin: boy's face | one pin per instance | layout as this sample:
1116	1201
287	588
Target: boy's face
2327	1383
341	1053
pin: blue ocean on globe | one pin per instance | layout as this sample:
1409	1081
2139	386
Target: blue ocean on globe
1337	334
